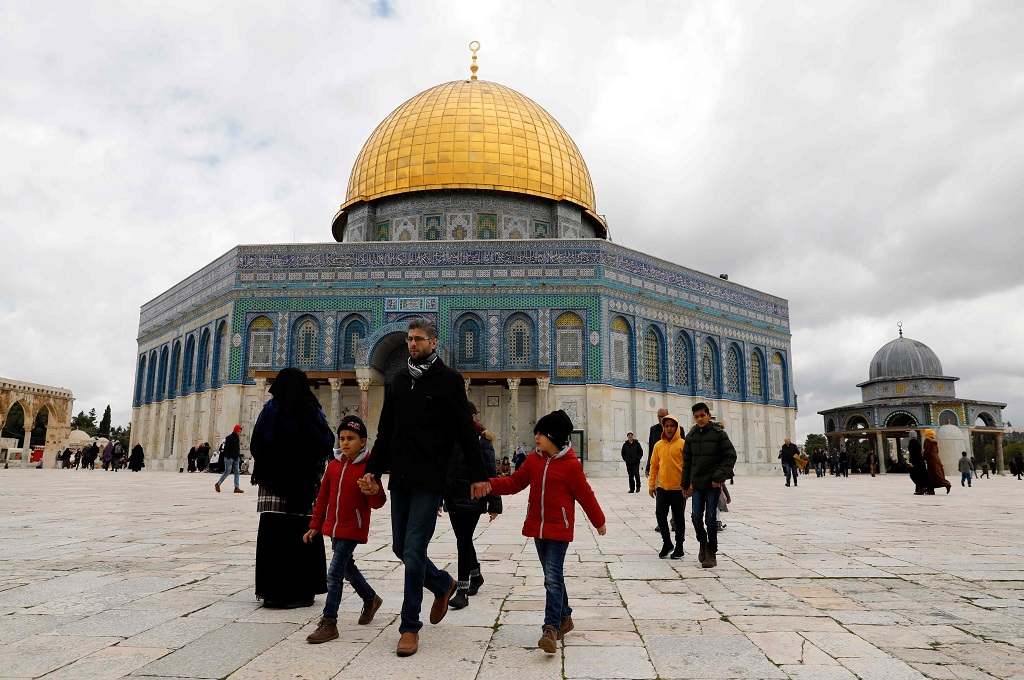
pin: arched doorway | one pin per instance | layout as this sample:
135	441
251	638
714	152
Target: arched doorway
38	437
396	360
14	424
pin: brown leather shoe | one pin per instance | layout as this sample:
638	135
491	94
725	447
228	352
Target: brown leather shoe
440	606
237	490
370	608
549	640
709	561
217	487
702	553
567	625
325	631
408	645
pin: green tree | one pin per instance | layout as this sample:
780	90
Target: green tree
123	435
85	423
14	426
815	442
105	422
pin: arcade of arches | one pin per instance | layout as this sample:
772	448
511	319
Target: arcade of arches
34	415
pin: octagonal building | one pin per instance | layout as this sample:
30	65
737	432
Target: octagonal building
471	205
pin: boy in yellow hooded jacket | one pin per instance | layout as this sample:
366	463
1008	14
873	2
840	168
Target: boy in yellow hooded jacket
666	488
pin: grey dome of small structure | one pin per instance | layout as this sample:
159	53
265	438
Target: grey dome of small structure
903	358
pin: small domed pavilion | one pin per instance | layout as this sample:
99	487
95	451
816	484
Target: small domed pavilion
906	391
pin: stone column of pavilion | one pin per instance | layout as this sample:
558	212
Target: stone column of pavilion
542	396
880	452
999	452
364	397
335	404
513	416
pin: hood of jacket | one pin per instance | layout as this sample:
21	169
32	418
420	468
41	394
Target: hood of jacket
678	434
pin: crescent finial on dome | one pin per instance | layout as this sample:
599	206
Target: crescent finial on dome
473	67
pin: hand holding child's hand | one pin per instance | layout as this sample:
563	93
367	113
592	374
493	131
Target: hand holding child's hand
602	530
368	485
480	489
308	536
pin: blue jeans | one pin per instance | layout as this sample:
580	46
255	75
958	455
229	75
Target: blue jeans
229	465
702	512
817	470
791	470
413	517
344	567
556	600
965	477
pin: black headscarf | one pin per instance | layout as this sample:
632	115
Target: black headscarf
292	442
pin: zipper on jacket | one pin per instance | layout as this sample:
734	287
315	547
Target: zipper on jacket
359	519
565	518
543	488
337	497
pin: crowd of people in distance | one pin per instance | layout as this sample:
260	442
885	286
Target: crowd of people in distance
112	457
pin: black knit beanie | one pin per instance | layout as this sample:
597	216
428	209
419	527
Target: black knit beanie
556	426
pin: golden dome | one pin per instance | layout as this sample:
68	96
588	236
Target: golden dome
471	134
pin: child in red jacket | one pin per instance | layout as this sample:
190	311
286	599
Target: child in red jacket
556	480
343	513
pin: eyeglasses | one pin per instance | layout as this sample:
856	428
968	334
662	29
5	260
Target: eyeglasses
413	338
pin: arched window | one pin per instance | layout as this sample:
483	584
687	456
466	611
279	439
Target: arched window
683	360
354	331
620	339
468	343
306	338
187	373
140	382
261	342
569	346
219	373
519	342
777	378
151	376
172	390
709	368
202	360
732	370
161	381
652	356
756	374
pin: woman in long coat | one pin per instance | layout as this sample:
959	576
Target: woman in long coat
136	460
291	444
918	471
936	475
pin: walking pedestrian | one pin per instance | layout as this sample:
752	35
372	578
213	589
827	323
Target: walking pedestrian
291	443
653	438
107	456
844	462
230	455
936	473
788	454
918	468
464	513
818	458
964	465
665	486
632	454
343	512
425	412
709	461
556	480
136	461
984	469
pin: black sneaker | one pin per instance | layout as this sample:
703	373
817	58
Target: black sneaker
459	600
665	550
475	581
678	552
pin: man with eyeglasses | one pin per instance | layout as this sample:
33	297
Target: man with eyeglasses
708	462
426	412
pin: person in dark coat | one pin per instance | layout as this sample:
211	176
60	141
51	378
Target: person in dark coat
65	458
108	455
425	413
291	444
918	470
653	438
193	453
787	454
632	454
844	463
708	460
136	461
464	513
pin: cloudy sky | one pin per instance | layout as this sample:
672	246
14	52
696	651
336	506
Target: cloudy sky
863	160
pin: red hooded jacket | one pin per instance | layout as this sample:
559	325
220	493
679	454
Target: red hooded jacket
556	484
342	510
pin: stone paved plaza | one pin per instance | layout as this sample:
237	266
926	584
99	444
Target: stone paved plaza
150	575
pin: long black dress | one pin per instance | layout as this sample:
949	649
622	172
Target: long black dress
291	444
136	459
918	471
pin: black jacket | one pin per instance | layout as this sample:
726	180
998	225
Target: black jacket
231	447
653	439
456	494
709	457
418	428
632	453
787	452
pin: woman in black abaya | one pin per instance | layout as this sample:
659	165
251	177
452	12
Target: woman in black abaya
291	444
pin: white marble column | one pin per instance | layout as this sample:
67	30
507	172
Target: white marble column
880	452
542	396
364	397
467	381
335	403
999	453
513	416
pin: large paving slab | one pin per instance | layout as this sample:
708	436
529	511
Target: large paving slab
151	576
